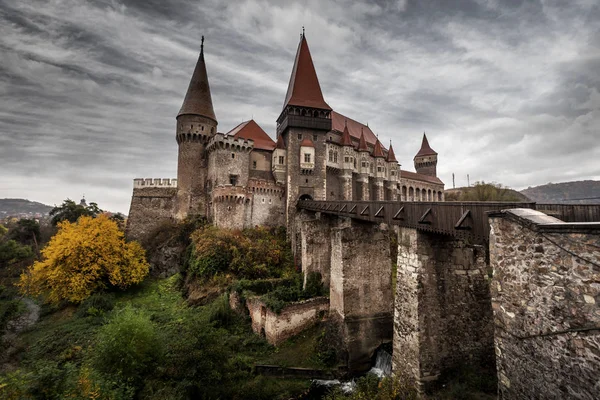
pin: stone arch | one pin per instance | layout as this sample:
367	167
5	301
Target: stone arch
439	195
404	193
305	197
429	196
411	194
418	194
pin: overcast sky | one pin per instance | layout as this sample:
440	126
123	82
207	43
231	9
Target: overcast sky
507	91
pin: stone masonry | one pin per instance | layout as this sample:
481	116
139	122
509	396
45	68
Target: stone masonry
545	293
443	317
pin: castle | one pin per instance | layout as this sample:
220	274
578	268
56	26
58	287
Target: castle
243	178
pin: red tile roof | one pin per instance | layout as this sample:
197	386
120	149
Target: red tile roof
425	150
306	142
198	100
362	144
378	150
420	177
280	145
346	139
304	89
339	122
391	157
251	130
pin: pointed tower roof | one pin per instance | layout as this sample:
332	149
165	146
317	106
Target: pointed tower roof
362	144
280	145
426	150
306	142
304	89
378	150
391	157
251	130
346	139
198	100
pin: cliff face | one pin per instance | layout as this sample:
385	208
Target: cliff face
582	192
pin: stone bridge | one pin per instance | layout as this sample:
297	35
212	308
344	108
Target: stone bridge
494	286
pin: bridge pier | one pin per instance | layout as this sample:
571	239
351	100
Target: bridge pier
346	179
360	288
316	246
443	314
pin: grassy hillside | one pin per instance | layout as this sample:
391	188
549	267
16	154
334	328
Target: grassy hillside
581	192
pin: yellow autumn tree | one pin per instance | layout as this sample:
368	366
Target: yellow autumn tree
82	258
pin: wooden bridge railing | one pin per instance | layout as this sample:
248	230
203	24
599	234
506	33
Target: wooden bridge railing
467	220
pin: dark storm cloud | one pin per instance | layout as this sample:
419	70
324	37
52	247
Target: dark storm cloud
507	91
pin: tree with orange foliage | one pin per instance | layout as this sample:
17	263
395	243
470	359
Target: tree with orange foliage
84	257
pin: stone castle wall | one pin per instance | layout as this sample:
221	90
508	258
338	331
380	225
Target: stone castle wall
293	319
268	203
152	203
545	292
443	314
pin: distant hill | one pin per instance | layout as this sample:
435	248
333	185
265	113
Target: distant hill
579	192
22	208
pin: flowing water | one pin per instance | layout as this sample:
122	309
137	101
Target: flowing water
383	364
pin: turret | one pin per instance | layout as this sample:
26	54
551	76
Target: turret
196	123
426	159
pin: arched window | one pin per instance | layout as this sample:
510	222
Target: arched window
335	155
411	194
330	155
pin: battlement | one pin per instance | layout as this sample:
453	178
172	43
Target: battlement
225	142
231	194
265	187
140	183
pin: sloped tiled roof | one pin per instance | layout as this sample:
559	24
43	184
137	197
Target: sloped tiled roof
198	100
280	145
306	142
251	130
339	122
420	177
304	89
425	150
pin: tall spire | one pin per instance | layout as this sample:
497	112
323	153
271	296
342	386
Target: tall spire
304	89
362	143
346	139
391	157
198	100
377	150
425	150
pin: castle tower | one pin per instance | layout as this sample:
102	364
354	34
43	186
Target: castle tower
363	168
426	159
278	161
393	175
196	123
305	116
380	170
347	163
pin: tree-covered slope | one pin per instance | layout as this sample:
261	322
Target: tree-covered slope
16	207
583	192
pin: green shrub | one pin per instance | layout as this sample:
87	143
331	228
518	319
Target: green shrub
127	346
221	314
96	305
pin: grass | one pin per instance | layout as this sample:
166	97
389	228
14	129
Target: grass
209	351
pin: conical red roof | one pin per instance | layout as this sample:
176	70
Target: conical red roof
426	150
362	144
304	89
280	145
391	157
198	100
346	139
377	150
251	130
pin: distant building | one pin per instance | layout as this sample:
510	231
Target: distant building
244	178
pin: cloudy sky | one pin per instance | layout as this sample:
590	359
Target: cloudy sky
507	91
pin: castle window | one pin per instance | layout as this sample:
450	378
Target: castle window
299	136
263	200
202	128
254	164
335	155
330	155
346	159
281	159
270	201
307	181
355	163
371	169
379	169
363	164
306	157
315	137
232	155
233	179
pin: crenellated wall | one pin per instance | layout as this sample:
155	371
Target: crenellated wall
152	203
443	315
545	292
